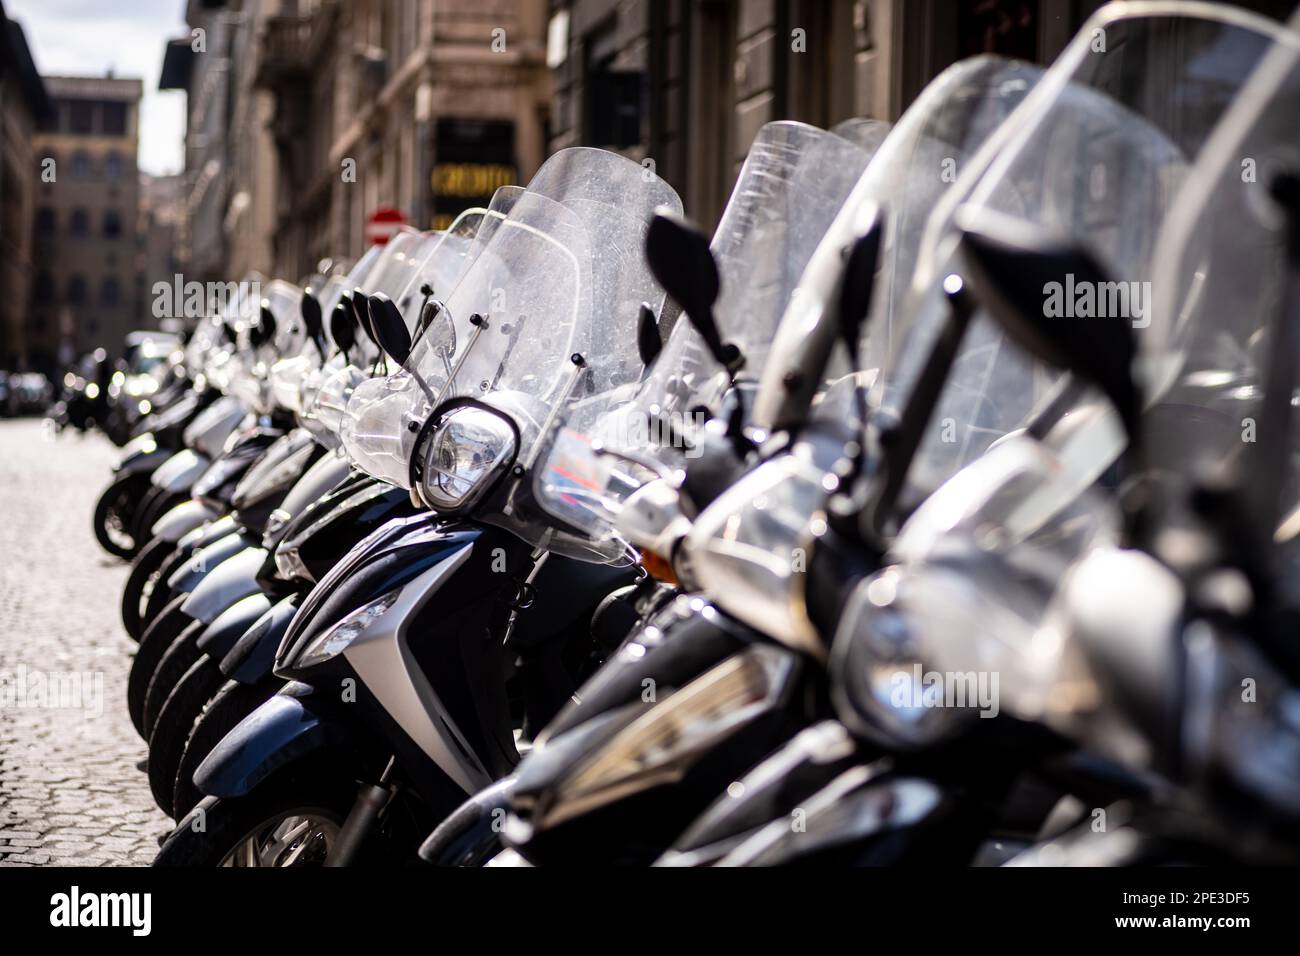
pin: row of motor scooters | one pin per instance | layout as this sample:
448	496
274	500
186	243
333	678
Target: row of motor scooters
940	506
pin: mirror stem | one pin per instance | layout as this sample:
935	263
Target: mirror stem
902	440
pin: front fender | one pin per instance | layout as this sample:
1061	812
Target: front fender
207	556
253	655
141	455
230	581
286	728
179	472
472	834
229	626
209	533
181	520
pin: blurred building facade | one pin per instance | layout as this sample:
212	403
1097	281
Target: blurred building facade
23	105
306	116
230	170
84	292
162	250
687	83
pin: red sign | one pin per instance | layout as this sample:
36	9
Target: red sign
383	224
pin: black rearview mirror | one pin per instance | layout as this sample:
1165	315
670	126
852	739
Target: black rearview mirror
264	331
1012	265
857	286
311	318
680	258
342	328
648	341
389	328
357	302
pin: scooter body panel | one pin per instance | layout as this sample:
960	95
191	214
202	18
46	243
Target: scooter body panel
219	479
440	589
181	520
179	472
212	427
223	585
472	835
207	534
284	729
207	554
316	482
141	455
229	626
253	655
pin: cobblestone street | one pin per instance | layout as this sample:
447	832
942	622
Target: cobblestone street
70	789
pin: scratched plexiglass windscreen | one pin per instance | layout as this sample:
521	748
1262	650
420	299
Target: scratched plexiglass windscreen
1096	154
789	189
579	235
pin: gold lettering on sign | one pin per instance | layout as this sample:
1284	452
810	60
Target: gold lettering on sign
467	180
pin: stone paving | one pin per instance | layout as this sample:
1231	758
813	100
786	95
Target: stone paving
71	791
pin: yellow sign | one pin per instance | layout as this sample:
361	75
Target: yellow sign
470	180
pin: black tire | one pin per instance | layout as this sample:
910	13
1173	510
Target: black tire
232	703
157	506
175	723
180	657
162	595
227	822
143	579
115	515
140	524
154	643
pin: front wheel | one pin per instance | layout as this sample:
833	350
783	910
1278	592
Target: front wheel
292	821
115	515
145	576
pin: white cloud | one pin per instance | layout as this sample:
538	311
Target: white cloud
90	37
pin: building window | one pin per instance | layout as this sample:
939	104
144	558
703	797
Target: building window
81	116
113	118
113	166
80	165
43	288
108	292
76	290
79	222
112	224
46	222
614	100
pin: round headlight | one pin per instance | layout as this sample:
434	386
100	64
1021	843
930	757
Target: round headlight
467	448
882	685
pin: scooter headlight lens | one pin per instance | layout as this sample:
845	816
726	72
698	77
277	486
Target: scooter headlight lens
660	745
467	449
336	640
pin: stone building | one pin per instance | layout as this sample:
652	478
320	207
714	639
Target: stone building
421	105
305	116
87	210
687	83
230	170
162	249
23	105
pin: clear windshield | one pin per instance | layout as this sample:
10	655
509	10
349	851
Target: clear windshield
789	189
575	240
794	181
1095	154
326	394
536	264
1221	271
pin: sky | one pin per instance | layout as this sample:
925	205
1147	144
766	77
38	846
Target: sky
89	37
